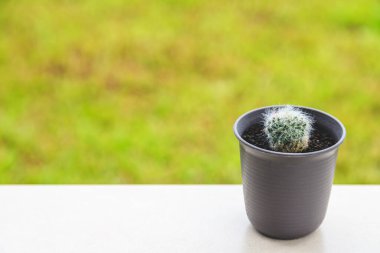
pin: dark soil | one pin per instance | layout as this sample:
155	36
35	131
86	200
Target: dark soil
320	138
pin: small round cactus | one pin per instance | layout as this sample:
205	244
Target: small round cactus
287	129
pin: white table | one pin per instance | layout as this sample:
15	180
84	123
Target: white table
39	219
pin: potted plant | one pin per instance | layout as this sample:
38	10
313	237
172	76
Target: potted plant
288	156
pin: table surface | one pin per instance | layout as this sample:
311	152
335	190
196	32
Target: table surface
192	218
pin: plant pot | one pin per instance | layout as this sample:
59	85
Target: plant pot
286	194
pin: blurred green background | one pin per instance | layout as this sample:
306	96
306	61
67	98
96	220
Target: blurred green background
147	91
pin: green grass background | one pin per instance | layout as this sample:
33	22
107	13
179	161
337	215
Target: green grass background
147	91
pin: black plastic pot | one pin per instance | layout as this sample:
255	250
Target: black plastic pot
286	194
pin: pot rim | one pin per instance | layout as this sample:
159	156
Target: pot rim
336	145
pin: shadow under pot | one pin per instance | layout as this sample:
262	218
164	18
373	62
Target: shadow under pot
286	194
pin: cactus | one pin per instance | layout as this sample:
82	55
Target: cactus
287	129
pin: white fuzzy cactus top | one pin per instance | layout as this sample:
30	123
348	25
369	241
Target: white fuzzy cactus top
287	129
